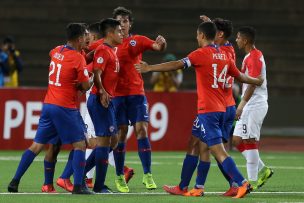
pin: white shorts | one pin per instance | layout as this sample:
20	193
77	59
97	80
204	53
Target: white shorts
250	124
89	124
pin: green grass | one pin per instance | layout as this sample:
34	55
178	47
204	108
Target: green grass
288	177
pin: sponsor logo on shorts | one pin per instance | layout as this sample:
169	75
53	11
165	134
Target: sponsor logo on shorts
111	128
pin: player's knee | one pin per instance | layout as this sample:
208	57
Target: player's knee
219	152
52	153
236	141
36	148
122	133
193	147
141	131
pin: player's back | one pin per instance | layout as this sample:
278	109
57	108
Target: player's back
254	65
65	71
211	66
129	53
229	50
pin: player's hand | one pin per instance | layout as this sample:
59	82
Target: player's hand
239	109
91	78
161	42
142	67
92	142
238	113
205	18
104	98
261	80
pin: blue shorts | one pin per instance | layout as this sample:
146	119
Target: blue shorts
229	116
208	127
131	109
103	119
58	122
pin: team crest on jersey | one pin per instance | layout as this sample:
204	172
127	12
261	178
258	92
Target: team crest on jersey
133	43
100	60
111	128
85	72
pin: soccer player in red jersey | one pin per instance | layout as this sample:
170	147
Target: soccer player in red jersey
130	100
60	116
64	180
100	106
252	109
211	66
224	31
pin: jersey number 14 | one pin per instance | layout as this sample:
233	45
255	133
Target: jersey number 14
221	78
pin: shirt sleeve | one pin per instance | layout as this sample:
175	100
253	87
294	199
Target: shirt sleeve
190	60
100	59
254	67
233	70
82	72
145	43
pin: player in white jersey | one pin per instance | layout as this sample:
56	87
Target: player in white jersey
252	109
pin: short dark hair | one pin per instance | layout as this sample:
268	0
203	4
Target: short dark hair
108	24
209	29
8	40
249	33
224	25
122	11
94	27
75	30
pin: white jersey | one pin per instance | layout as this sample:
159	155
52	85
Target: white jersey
87	118
254	66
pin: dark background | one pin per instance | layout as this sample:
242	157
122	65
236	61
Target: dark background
38	26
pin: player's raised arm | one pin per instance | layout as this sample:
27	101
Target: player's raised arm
160	44
143	67
205	18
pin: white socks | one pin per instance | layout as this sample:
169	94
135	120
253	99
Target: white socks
111	159
89	174
252	164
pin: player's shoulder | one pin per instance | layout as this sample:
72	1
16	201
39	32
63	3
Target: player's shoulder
95	44
138	38
253	55
103	50
256	53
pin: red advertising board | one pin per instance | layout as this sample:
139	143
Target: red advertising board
171	118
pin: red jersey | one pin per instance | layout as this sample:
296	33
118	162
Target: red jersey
229	50
211	66
106	60
130	82
67	68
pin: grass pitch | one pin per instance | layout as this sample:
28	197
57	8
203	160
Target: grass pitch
286	185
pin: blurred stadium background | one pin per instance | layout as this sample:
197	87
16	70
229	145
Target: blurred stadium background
38	26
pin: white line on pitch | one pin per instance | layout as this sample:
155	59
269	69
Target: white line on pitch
140	193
